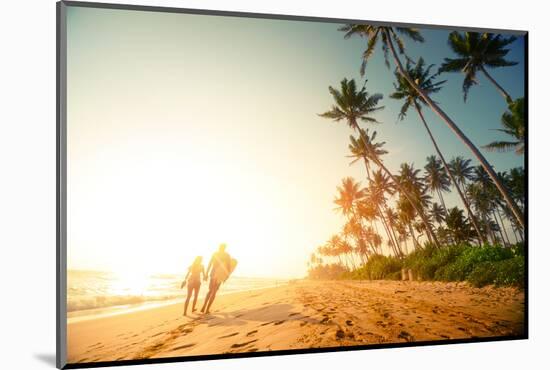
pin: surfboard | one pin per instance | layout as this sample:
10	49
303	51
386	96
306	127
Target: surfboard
222	274
233	265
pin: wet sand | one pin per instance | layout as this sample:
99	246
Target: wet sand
304	314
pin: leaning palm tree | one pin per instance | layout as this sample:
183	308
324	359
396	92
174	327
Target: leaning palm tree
389	35
458	227
438	213
352	105
411	97
380	185
349	193
436	179
334	247
372	152
516	184
513	123
462	170
476	51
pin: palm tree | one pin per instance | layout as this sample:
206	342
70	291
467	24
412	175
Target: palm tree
513	123
462	170
476	51
346	249
334	247
482	202
372	152
516	184
392	220
406	216
388	35
405	91
378	187
436	179
352	105
438	213
349	193
458	227
410	180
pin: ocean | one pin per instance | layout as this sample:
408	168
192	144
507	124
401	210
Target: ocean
91	294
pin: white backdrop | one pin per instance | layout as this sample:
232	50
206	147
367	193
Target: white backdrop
27	181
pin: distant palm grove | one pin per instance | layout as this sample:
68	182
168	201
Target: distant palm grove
482	239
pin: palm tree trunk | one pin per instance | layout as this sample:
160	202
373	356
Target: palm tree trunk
406	245
386	228
500	89
398	242
377	207
499	227
415	242
489	230
455	183
513	230
401	190
395	241
486	166
385	225
395	238
503	226
440	195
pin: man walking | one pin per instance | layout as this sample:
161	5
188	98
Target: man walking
218	269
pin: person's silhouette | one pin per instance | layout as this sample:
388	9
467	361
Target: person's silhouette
194	282
219	268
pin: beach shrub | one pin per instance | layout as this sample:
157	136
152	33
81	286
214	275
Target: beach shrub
327	272
479	266
502	273
426	262
485	273
378	267
468	259
396	275
511	272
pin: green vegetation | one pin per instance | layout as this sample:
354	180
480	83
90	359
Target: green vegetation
480	239
485	265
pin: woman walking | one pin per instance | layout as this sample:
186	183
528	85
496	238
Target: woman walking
194	283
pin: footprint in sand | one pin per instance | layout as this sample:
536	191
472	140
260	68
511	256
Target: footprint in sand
183	346
293	314
406	336
279	322
251	333
228	335
239	345
349	323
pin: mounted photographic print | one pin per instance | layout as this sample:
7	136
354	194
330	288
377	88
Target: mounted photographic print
236	185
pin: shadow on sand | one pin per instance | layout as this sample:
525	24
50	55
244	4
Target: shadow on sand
275	313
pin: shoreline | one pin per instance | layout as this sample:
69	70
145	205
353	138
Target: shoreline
303	314
96	313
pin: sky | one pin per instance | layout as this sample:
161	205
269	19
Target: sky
186	131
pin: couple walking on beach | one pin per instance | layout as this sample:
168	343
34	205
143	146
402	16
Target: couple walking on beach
221	265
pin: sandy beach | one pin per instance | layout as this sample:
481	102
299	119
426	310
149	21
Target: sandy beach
304	314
